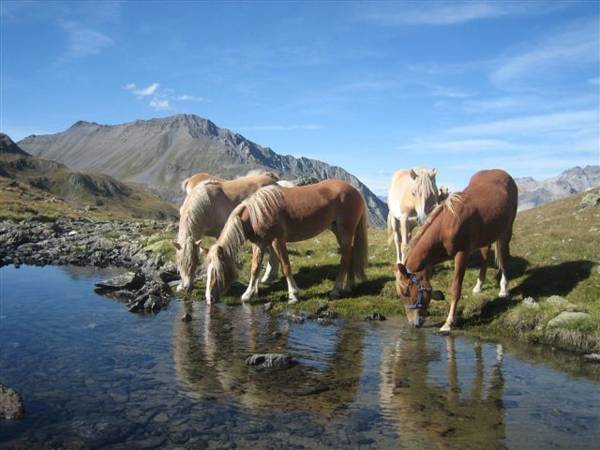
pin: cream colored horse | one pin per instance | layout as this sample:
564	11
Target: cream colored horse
276	215
190	183
204	213
412	191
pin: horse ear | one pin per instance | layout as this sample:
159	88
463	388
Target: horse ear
402	269
413	174
176	244
433	173
437	295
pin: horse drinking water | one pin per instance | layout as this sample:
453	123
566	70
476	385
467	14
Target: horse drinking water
276	215
473	219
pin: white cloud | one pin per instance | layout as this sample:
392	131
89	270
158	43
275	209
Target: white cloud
142	92
555	122
160	104
441	12
83	41
189	98
573	47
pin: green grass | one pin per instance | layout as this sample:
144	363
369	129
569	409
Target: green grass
554	250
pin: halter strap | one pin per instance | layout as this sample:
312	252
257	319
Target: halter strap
419	304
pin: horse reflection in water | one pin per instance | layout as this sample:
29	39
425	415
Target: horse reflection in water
435	413
210	358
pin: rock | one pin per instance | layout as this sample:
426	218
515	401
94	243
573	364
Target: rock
129	281
324	321
567	317
279	360
268	306
11	404
592	358
187	317
558	301
375	316
529	302
591	199
295	317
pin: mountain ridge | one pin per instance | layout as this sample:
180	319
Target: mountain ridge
161	152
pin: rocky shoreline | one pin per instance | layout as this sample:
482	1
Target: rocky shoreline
99	244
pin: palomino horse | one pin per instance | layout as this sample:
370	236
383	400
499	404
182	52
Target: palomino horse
204	213
190	183
275	215
473	219
412	190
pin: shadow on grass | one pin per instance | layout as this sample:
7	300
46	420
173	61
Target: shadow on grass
558	279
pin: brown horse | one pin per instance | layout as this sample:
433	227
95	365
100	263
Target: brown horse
204	213
275	215
473	219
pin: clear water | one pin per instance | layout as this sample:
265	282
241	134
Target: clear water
94	375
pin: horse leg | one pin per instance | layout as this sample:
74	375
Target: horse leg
485	251
345	239
396	232
281	251
460	265
502	252
272	269
257	256
404	232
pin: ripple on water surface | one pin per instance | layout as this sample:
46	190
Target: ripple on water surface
93	374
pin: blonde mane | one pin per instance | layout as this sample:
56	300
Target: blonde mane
263	207
424	185
449	204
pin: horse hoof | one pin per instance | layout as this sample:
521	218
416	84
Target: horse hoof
476	290
291	301
445	330
504	295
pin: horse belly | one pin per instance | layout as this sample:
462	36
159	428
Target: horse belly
300	229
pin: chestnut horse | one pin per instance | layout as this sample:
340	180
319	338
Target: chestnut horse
473	219
411	191
190	183
204	213
275	215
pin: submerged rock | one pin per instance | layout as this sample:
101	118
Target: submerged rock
279	360
187	317
567	317
11	404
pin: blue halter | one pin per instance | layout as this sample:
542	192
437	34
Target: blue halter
419	304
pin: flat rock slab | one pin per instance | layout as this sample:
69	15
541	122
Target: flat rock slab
592	358
567	317
557	301
11	404
279	360
127	281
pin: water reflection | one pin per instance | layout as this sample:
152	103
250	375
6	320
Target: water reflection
210	351
431	405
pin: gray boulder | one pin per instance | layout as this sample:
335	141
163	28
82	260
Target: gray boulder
566	317
128	281
591	199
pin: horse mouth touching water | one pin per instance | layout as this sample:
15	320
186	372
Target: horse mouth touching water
482	215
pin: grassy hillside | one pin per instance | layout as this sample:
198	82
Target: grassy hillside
555	251
32	187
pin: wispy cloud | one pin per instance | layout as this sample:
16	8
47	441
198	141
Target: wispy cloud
440	12
595	81
308	126
575	46
161	99
160	104
543	123
83	41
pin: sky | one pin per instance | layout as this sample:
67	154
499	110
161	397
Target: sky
369	86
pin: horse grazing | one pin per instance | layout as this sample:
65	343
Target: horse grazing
204	213
411	191
276	215
473	219
190	183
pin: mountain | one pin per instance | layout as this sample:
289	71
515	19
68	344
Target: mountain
51	185
160	153
534	193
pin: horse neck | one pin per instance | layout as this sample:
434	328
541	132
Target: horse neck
427	250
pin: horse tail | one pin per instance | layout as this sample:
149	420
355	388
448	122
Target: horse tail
360	248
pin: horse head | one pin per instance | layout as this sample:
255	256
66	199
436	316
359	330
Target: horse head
187	256
221	272
416	292
424	191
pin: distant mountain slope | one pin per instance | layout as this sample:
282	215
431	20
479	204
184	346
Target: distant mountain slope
160	153
534	193
37	177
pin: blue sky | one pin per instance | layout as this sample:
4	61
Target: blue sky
371	87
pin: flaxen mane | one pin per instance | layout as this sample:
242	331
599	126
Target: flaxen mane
449	204
424	184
